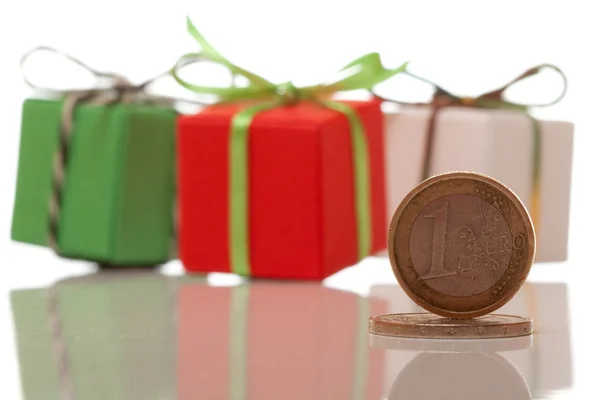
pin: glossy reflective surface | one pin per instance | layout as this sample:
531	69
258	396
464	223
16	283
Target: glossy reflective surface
520	368
144	335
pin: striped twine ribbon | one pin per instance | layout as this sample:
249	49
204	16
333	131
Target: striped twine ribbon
59	348
119	91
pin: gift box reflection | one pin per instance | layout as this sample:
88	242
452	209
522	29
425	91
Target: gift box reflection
155	337
147	336
269	341
104	336
545	365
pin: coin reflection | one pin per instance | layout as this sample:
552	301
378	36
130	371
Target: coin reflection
461	376
452	345
545	362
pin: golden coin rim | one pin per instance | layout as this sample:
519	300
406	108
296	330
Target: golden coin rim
525	265
519	326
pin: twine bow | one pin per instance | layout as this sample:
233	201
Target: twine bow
117	90
490	100
494	98
363	73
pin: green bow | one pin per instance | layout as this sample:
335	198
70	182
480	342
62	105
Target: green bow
362	73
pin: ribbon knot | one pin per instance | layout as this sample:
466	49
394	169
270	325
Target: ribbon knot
468	101
288	93
441	98
122	85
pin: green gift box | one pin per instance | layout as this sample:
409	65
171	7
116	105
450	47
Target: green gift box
118	193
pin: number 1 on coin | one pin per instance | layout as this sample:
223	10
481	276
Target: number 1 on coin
438	249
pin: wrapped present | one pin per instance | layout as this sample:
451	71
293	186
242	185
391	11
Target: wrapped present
101	336
267	341
96	175
278	181
492	136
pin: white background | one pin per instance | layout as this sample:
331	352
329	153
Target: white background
467	46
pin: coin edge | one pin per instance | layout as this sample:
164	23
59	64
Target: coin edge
525	322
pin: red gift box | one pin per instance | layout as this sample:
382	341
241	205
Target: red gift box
302	221
264	341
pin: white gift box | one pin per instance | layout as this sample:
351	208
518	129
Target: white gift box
497	143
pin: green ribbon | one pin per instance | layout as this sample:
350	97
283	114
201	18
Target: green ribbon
238	323
360	381
362	73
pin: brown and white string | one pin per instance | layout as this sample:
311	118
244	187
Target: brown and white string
442	98
119	91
